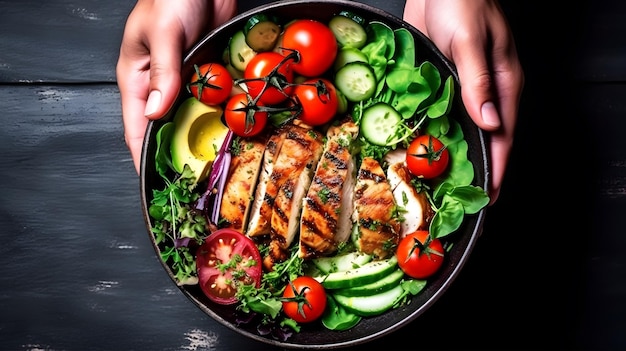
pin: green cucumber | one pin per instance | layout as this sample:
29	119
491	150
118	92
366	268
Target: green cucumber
356	80
379	286
240	52
370	305
380	123
347	55
261	32
342	262
367	273
348	29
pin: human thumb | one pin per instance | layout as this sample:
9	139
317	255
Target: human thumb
165	66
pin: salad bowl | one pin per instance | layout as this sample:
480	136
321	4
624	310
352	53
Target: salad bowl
463	240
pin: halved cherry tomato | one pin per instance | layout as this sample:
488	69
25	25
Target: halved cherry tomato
225	260
243	117
315	43
427	157
261	79
211	83
318	99
304	299
419	255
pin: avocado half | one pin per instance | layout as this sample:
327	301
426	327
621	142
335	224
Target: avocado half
198	134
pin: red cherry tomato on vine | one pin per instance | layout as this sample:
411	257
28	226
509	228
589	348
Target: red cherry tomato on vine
319	101
211	83
242	117
315	43
305	299
259	71
427	157
420	256
225	260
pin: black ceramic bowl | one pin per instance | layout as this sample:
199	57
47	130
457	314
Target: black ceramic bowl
316	336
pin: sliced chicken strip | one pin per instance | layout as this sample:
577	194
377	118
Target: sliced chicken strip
327	209
243	174
375	211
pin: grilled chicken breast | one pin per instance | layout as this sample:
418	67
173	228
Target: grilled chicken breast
327	208
245	166
261	211
293	171
375	211
417	212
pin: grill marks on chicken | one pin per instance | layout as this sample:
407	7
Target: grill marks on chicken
327	208
297	160
242	179
261	211
305	187
375	211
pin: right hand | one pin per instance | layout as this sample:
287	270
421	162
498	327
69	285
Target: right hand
475	36
156	35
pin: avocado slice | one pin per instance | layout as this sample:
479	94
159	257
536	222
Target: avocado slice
198	134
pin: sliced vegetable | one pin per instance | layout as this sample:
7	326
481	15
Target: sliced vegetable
347	55
240	52
380	123
225	260
379	286
371	305
367	273
356	80
348	29
342	262
261	32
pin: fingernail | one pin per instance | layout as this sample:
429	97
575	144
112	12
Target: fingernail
154	100
490	114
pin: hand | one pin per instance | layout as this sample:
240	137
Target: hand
475	36
157	33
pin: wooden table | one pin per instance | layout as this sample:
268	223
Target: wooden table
79	272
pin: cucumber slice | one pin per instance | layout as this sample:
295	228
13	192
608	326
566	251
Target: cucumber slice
379	286
347	55
348	29
261	32
356	80
367	273
342	262
370	305
380	123
239	51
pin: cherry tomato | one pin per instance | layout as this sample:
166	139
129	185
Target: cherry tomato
318	99
226	259
419	255
243	117
427	157
261	81
211	84
305	299
315	43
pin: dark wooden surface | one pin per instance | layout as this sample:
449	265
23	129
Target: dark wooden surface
79	272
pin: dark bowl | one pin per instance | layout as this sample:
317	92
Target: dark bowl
316	336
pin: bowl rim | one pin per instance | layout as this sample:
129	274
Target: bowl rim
482	168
